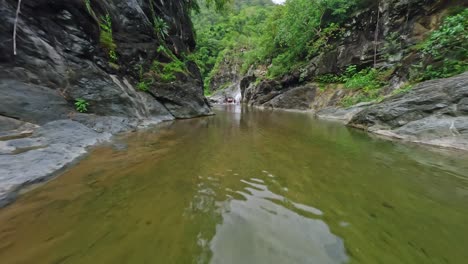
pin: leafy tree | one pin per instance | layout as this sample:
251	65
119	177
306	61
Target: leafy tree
236	28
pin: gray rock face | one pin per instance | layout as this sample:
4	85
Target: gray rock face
60	59
258	94
433	112
8	124
31	103
299	98
183	100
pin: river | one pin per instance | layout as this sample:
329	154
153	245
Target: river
246	186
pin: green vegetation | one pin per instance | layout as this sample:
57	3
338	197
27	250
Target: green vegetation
219	5
160	28
81	105
106	38
257	32
300	30
166	72
367	82
402	90
161	71
284	38
88	6
228	34
445	52
367	79
143	86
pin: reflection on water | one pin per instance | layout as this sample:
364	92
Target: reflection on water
247	186
258	229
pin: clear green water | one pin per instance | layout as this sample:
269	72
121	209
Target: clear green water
247	186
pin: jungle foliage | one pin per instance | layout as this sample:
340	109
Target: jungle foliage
284	38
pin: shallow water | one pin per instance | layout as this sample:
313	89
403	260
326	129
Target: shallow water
247	186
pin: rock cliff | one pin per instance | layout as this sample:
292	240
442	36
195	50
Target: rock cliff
61	57
96	51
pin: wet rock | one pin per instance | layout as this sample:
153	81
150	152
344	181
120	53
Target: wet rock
58	144
19	145
341	114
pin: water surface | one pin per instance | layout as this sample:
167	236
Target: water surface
247	186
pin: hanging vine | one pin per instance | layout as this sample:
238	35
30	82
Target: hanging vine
15	27
376	37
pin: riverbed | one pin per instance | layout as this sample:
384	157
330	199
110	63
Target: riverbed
246	186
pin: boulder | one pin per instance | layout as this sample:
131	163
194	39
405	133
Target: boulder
298	98
433	112
436	97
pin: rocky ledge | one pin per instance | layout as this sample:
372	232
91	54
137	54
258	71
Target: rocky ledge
433	112
30	153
